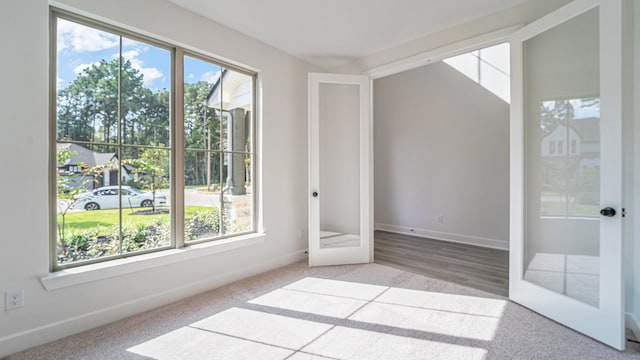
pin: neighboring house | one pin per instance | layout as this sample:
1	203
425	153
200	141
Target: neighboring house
236	94
83	158
562	141
235	105
579	140
571	168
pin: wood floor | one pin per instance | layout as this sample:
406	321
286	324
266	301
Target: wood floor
473	266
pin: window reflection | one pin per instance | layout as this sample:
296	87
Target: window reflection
570	157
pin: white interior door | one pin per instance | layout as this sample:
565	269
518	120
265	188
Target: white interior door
566	167
340	208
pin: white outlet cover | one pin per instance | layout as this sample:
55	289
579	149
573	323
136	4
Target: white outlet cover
13	299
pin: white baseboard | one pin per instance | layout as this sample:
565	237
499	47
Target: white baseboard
632	323
437	235
57	330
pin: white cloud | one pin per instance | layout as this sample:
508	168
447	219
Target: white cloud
80	38
210	76
126	42
149	73
190	76
130	55
59	82
78	69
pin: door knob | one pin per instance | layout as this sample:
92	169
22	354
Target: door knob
315	194
608	211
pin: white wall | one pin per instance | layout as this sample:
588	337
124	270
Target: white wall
24	146
441	149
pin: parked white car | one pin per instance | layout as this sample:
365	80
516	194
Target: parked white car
107	198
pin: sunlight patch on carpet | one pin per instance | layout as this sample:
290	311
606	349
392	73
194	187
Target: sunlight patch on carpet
262	327
188	343
315	317
347	343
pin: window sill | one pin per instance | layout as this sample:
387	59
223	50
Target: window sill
84	274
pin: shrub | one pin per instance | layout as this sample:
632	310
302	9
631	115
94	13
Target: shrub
141	233
81	240
204	222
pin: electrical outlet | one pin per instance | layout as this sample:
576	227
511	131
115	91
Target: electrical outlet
13	299
440	219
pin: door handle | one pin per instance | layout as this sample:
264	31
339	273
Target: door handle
608	211
315	194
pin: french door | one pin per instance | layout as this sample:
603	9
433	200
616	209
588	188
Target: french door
340	180
566	168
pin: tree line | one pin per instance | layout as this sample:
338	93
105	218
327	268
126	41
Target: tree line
107	96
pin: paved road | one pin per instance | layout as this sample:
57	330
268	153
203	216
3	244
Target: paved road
192	197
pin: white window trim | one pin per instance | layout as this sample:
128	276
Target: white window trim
118	267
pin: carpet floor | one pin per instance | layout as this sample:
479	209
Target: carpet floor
339	312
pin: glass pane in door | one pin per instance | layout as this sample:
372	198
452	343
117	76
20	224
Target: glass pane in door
339	192
562	159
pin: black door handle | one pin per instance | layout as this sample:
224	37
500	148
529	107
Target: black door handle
315	194
608	211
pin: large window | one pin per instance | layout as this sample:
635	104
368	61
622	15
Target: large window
133	174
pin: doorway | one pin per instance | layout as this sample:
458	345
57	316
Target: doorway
441	163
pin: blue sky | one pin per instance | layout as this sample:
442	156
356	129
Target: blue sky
81	46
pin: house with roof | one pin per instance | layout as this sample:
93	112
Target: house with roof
579	139
91	169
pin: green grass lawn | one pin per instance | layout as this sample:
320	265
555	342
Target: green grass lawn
552	208
104	220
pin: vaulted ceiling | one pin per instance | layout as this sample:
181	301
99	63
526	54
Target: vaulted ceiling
329	33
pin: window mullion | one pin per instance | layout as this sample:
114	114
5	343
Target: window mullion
53	161
222	153
119	153
177	160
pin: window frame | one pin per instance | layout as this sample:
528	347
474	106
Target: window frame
252	151
175	146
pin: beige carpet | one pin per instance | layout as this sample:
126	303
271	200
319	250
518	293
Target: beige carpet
340	312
